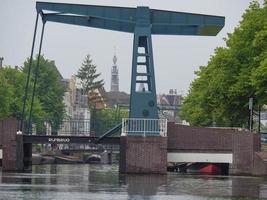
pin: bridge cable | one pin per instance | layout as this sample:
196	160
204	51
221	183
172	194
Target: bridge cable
37	69
28	75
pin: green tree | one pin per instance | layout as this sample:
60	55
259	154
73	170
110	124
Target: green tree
5	95
48	102
49	90
12	92
89	81
221	90
107	118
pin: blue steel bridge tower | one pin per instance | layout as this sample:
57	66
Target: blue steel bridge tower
143	22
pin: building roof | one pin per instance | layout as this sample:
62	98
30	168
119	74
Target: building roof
114	98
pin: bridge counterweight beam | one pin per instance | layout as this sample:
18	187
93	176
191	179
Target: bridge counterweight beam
28	75
36	74
143	22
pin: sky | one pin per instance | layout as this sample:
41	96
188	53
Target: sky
175	57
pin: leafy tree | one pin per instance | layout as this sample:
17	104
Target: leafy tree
49	90
221	90
12	92
5	95
89	81
48	102
107	118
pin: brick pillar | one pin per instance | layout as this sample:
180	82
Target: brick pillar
12	146
244	147
1	133
143	154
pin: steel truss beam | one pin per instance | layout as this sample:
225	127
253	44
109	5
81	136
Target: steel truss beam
143	22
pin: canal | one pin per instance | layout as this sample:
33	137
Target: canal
101	182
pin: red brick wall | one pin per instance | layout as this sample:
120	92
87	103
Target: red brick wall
243	152
1	132
123	146
260	167
9	144
192	139
12	146
244	147
143	155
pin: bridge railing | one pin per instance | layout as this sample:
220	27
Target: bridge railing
144	127
75	126
81	127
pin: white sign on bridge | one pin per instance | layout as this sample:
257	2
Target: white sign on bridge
201	157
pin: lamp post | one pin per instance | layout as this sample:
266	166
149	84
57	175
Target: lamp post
259	120
1	62
250	105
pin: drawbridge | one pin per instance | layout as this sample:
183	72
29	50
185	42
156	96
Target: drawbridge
143	22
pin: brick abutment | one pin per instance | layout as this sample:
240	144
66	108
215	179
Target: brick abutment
149	154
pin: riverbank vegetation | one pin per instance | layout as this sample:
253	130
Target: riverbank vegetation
220	93
48	101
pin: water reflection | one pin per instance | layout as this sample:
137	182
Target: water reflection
247	187
144	185
104	182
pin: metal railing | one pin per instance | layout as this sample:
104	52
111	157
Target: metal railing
144	127
79	127
75	127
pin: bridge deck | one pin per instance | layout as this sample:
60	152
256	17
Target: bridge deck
193	157
42	139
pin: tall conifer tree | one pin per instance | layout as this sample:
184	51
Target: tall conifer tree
90	81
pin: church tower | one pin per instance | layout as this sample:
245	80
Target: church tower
114	86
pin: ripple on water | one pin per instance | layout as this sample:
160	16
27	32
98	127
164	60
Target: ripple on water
104	182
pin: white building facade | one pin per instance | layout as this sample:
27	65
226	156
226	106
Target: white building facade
77	118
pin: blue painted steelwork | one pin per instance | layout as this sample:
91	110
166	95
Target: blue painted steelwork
143	22
36	75
28	76
124	19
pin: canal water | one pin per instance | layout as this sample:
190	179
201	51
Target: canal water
103	182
